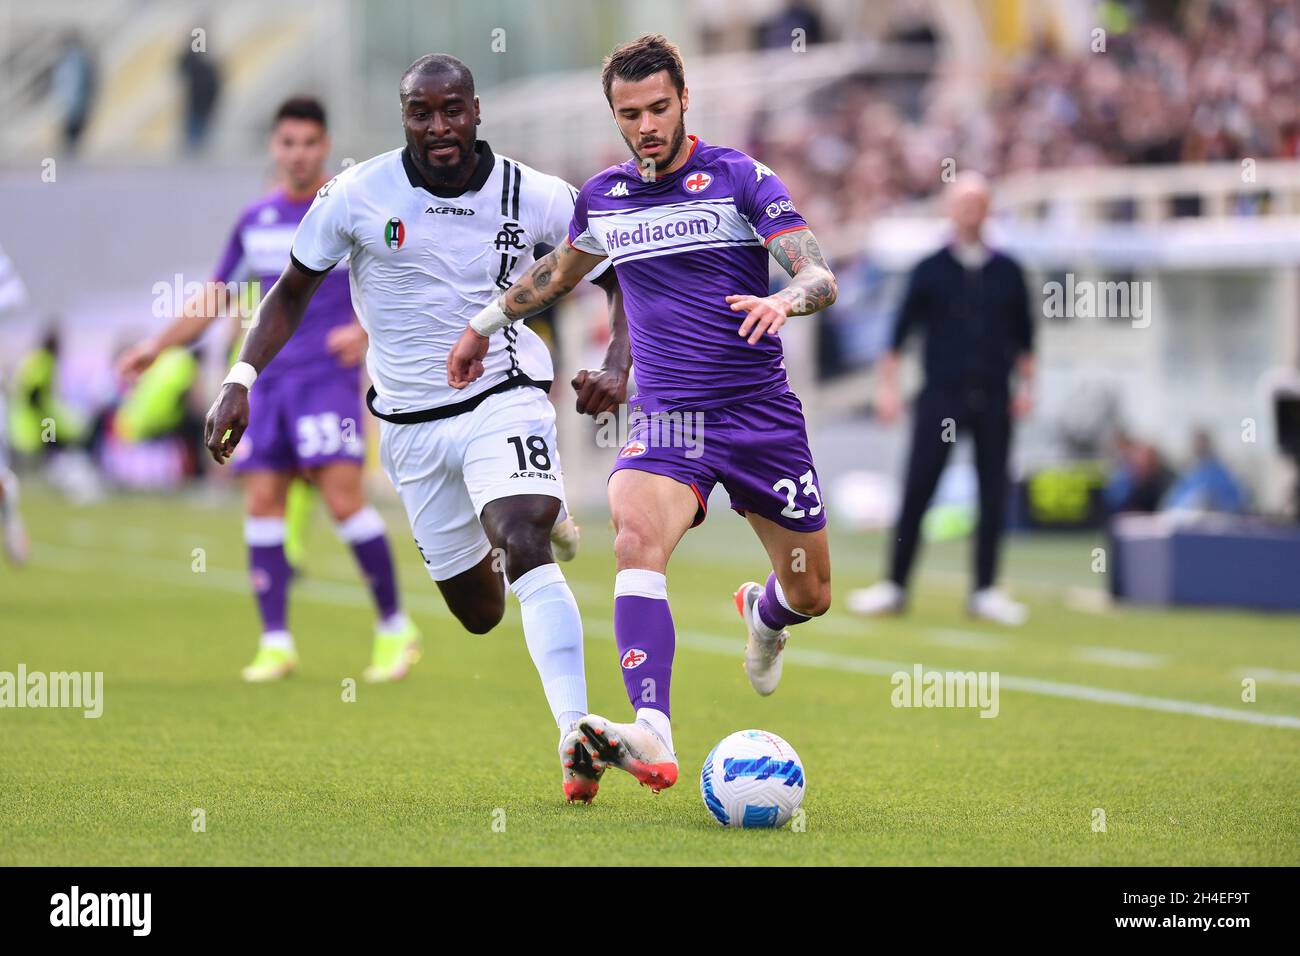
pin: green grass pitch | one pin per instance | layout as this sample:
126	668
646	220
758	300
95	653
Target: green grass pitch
457	764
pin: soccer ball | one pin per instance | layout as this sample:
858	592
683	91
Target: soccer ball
752	779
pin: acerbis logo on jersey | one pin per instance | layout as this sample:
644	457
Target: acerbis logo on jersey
698	183
394	233
633	659
450	211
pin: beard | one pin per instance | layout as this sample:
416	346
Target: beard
446	175
674	147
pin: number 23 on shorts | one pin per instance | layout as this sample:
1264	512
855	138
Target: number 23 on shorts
808	488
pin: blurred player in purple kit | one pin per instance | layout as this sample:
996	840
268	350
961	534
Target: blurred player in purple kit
688	227
306	411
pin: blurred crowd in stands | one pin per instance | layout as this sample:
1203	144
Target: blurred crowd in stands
1199	81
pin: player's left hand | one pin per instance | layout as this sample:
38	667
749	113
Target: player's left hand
766	314
348	344
599	391
465	360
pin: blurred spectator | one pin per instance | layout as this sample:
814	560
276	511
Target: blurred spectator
73	84
202	82
778	32
1139	479
1207	485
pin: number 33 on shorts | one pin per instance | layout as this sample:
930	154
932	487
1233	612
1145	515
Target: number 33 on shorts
326	435
805	487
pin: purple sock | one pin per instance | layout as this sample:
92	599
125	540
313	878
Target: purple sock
772	609
364	532
269	570
643	629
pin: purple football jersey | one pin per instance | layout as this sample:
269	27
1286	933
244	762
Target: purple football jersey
259	249
680	245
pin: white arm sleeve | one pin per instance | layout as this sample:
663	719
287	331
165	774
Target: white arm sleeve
325	234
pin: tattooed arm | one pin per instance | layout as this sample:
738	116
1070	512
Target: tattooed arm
811	289
550	278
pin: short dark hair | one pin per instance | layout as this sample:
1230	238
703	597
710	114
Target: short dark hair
434	63
301	107
642	57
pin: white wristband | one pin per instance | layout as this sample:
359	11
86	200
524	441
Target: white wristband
241	373
491	319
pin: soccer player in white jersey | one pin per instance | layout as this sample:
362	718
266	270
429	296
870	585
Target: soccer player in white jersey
689	227
432	232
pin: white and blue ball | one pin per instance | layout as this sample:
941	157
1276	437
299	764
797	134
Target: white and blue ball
752	779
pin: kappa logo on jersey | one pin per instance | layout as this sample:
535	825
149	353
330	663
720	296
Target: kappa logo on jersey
633	659
775	209
632	449
698	183
508	237
394	233
450	211
760	171
618	191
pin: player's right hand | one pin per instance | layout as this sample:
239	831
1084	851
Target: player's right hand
135	360
226	421
599	391
465	360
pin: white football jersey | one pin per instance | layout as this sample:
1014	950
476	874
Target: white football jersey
423	263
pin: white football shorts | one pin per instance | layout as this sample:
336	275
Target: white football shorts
447	470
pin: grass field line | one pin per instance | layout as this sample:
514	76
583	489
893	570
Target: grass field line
1030	685
1117	657
973	640
603	629
1270	675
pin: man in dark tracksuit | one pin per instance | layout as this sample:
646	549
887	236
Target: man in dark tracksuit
973	308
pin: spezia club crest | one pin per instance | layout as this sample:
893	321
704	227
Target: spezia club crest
394	233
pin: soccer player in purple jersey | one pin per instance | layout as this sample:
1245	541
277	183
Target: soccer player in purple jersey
305	418
688	227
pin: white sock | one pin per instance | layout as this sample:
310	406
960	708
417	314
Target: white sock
553	632
394	624
365	525
281	640
659	721
568	720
